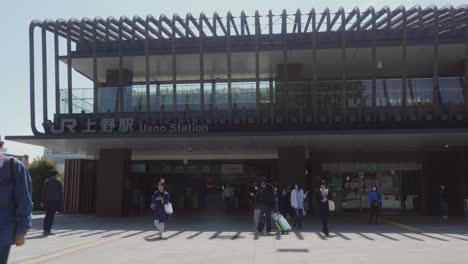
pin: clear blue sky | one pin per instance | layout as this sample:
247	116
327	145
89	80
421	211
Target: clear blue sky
16	16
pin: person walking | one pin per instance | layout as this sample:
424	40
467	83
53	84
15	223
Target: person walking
51	200
284	202
228	195
443	202
265	202
323	195
159	199
375	203
256	212
297	203
15	204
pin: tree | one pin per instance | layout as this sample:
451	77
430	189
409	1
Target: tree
39	170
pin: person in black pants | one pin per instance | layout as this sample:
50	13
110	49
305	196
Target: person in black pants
375	203
265	202
443	202
323	195
51	200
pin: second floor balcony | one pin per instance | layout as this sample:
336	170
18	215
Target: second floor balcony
324	105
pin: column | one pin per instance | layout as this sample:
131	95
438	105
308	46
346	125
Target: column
112	170
291	165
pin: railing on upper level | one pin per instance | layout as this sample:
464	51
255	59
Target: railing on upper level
324	105
337	95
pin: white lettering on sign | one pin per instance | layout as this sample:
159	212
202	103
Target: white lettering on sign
121	125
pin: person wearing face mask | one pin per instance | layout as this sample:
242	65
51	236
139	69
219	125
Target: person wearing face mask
266	203
322	197
297	203
375	203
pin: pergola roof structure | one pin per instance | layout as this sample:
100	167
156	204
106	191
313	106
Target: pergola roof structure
137	28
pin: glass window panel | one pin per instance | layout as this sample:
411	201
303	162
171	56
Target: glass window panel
188	94
451	90
420	92
165	95
359	93
244	94
389	92
221	95
107	99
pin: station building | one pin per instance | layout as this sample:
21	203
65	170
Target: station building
356	97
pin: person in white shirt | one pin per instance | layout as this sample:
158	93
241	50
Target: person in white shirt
228	195
297	203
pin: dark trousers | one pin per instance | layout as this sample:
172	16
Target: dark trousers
323	211
51	207
298	218
265	218
228	203
374	213
444	209
4	253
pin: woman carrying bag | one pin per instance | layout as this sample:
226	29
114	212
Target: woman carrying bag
324	206
162	207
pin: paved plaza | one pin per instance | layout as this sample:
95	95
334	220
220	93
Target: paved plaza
221	239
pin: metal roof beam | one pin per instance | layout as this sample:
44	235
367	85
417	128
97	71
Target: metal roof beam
378	15
297	27
325	15
310	19
189	18
244	25
208	24
357	24
335	19
233	23
217	20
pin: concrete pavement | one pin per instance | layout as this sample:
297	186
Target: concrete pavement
222	239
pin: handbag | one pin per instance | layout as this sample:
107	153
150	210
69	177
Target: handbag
331	206
168	208
153	206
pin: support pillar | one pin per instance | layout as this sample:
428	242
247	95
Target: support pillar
291	165
443	167
112	170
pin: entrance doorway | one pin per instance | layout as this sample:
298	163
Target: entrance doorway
198	185
399	184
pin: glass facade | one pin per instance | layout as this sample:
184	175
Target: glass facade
398	183
324	96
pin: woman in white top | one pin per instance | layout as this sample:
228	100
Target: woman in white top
297	203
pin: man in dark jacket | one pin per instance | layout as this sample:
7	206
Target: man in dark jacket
265	202
15	204
51	200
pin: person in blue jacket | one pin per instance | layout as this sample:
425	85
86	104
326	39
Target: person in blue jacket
158	200
15	204
375	203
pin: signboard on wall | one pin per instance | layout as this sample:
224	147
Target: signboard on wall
120	125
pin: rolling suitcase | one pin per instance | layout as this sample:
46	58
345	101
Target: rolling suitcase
281	223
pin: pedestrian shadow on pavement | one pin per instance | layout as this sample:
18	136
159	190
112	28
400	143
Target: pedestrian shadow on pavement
299	235
155	237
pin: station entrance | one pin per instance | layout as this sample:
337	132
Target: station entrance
398	182
197	185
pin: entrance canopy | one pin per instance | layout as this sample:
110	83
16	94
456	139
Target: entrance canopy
254	145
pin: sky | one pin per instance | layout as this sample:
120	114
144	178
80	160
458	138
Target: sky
16	16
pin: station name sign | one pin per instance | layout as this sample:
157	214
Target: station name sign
122	126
